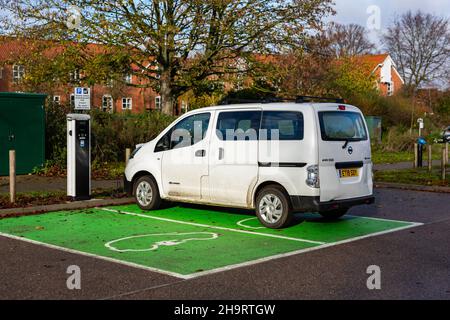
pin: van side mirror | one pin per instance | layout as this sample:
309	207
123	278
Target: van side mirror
163	144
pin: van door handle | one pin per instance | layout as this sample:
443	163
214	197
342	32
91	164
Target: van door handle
200	153
221	153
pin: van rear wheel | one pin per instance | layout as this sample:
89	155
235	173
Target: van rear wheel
146	193
273	208
334	214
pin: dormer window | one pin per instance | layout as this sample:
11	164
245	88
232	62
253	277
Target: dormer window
128	78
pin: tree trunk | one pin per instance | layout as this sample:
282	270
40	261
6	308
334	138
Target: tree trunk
167	98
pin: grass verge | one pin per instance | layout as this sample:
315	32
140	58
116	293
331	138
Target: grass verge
419	176
31	199
380	157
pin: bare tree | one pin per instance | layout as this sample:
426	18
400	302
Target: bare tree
347	40
419	44
175	44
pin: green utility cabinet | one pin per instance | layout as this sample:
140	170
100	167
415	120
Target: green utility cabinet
22	128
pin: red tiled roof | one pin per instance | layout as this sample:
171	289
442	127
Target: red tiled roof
373	60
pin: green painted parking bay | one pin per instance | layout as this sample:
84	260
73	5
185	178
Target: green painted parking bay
186	241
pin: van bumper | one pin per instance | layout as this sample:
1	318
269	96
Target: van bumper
127	186
313	204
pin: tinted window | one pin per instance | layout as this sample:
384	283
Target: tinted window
338	126
190	130
282	125
239	125
185	133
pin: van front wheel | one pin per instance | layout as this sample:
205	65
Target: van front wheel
334	214
146	193
273	208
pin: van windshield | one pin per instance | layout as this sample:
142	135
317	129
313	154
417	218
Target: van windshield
342	126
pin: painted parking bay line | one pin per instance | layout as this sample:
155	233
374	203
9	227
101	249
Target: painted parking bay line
190	242
391	226
212	226
309	227
88	231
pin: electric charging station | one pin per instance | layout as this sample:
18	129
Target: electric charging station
79	156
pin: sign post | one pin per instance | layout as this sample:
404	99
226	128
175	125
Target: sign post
82	98
421	126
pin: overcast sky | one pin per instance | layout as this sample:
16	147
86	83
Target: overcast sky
355	11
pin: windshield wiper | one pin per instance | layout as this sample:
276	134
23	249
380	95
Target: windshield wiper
346	143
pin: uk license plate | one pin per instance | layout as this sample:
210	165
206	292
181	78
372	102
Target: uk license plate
348	173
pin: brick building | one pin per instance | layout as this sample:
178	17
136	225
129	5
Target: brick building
113	96
388	79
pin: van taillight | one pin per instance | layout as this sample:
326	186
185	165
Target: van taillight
342	108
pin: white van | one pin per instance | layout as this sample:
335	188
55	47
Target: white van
277	158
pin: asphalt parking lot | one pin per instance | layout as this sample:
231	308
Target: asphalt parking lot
124	255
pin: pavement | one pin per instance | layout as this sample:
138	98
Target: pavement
414	263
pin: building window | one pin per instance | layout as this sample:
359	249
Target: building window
107	103
127	103
18	72
74	76
57	99
158	103
128	78
72	100
390	88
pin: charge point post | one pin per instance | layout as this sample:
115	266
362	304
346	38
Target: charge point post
12	175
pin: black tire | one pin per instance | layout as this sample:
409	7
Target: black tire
334	214
284	209
145	203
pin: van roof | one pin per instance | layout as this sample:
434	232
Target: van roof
287	106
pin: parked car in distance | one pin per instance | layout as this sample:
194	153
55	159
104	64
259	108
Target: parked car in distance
446	134
276	158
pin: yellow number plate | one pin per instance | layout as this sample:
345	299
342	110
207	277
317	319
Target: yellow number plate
348	173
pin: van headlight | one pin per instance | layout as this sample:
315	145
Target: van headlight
313	176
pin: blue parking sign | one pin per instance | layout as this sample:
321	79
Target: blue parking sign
79	90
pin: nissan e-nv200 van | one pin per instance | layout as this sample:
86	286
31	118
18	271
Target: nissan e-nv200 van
276	158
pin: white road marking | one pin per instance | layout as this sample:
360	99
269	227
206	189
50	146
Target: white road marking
91	255
241	223
156	245
212	227
386	220
292	253
217	270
